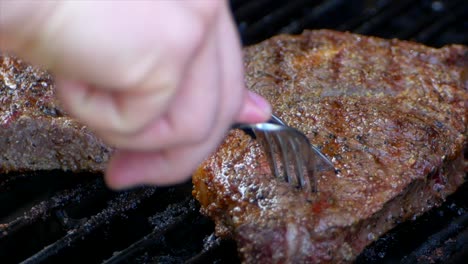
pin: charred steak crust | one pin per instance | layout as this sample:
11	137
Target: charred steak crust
35	132
390	114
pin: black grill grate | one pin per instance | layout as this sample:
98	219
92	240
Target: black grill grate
87	223
56	217
435	23
433	238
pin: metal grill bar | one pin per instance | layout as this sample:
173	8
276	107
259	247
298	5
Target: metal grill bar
274	20
312	17
213	247
175	214
367	14
433	31
46	207
253	9
428	18
437	240
372	25
429	233
121	204
235	4
460	248
20	195
257	20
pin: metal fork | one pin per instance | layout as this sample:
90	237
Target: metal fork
290	154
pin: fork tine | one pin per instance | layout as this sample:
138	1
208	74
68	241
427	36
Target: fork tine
314	163
283	150
290	154
313	166
278	159
285	161
300	174
266	143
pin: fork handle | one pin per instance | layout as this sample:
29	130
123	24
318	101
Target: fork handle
249	131
273	120
276	120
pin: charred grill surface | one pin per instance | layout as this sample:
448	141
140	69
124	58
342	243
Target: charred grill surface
391	115
47	205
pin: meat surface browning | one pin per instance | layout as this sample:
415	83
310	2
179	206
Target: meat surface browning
391	116
35	132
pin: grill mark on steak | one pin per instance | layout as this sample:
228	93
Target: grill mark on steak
391	115
35	132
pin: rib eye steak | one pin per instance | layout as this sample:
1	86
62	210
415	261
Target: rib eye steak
391	116
35	132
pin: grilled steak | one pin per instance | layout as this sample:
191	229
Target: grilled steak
391	116
35	132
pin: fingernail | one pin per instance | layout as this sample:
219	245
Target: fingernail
263	105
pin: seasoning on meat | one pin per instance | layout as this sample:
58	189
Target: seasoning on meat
391	116
35	132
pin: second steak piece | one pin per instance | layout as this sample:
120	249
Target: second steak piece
35	132
391	115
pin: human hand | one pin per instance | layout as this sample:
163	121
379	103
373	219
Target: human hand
160	80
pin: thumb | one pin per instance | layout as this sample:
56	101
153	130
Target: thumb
255	109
